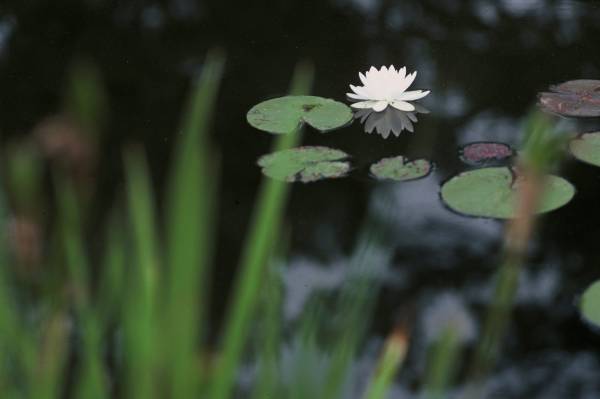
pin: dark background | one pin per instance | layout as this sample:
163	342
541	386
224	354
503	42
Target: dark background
484	62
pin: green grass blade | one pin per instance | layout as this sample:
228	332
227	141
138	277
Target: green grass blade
357	300
391	360
139	317
91	378
51	357
112	280
190	209
270	336
261	236
85	98
17	350
441	369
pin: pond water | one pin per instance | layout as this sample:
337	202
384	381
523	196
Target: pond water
484	62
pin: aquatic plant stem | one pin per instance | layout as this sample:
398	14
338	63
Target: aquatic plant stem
517	236
262	234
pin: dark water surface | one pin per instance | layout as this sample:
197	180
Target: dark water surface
484	62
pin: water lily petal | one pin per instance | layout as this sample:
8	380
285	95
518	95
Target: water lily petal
403	85
403	106
412	95
357	96
402	72
361	91
364	104
363	78
380	106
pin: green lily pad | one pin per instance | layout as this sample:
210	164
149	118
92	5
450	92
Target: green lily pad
589	304
305	164
586	148
284	114
400	169
491	192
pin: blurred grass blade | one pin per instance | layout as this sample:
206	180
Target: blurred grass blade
260	238
24	177
270	331
139	317
190	213
91	379
16	341
357	297
112	283
85	98
391	360
442	364
51	362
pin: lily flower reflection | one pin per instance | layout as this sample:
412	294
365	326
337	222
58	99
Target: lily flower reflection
383	87
391	120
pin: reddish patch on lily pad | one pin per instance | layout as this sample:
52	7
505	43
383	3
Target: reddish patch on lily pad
579	98
485	153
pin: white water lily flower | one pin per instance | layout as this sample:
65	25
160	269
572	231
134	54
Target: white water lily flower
386	86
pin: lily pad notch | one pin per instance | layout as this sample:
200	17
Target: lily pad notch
284	115
491	192
305	164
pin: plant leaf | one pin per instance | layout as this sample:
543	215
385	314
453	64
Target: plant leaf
586	148
485	153
305	164
573	98
400	169
589	305
283	115
490	192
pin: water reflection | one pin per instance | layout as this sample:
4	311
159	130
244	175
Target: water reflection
390	120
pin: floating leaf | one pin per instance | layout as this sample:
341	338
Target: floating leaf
485	153
589	305
305	164
573	98
586	148
283	115
491	192
400	169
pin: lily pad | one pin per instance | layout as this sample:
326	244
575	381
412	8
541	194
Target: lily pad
586	148
491	192
284	114
305	164
589	304
485	153
400	169
579	98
